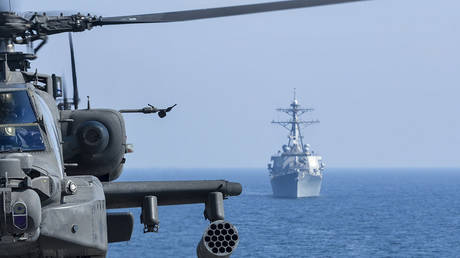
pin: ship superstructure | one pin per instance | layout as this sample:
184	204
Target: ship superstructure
296	171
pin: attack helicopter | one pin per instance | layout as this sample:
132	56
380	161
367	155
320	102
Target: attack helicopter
58	162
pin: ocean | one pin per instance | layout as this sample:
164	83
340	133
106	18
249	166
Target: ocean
360	213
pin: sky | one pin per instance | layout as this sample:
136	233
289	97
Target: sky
382	75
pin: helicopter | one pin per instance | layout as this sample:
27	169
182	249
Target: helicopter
58	162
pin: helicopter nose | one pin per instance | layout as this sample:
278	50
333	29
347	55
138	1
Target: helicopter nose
22	207
25	212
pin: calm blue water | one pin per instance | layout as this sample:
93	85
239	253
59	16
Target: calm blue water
365	212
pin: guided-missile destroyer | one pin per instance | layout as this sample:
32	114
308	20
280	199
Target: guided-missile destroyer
296	171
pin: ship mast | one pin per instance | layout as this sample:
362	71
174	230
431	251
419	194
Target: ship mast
293	125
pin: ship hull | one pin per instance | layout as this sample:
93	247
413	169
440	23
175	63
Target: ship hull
289	186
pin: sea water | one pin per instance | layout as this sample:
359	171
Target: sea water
360	213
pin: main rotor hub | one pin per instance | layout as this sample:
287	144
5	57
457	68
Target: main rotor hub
34	26
17	60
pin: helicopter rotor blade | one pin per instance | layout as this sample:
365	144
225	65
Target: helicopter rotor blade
217	12
76	98
50	13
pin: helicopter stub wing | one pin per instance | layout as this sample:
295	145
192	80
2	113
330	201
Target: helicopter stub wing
149	195
216	12
132	194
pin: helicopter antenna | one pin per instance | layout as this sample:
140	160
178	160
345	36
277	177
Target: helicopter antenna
65	105
76	98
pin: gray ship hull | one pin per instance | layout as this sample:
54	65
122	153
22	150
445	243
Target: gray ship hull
289	186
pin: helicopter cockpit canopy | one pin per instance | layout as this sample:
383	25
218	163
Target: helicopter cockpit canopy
19	129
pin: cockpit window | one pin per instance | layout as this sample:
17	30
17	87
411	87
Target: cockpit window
19	130
15	108
18	138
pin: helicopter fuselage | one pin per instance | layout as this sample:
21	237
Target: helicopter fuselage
45	211
56	168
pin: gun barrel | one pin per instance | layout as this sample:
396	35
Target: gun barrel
131	194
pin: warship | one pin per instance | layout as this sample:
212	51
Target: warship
296	171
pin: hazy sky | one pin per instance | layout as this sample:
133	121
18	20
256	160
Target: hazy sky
382	75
